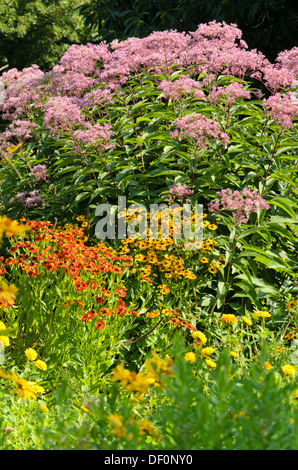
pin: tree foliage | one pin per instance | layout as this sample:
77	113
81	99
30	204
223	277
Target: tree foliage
38	31
268	25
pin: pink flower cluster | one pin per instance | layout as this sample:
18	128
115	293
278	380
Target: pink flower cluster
28	199
283	108
200	129
61	114
242	203
232	92
19	130
95	134
40	173
180	192
180	87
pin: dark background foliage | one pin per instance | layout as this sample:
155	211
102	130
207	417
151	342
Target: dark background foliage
40	31
268	25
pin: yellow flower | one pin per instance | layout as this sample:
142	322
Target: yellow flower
212	269
8	292
9	227
234	353
120	374
199	335
84	408
291	304
207	351
44	408
13	148
26	389
190	357
267	365
291	334
2	326
210	363
204	259
4	340
228	318
153	314
262	314
247	320
118	426
288	369
31	354
40	364
163	289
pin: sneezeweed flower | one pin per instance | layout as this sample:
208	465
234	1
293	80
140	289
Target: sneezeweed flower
41	364
228	319
288	369
31	354
190	357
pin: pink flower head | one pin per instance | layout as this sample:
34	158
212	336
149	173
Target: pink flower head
283	108
61	114
241	203
180	193
232	92
95	134
180	87
200	129
40	172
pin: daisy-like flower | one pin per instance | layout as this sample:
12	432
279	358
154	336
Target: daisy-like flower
228	319
207	351
200	336
262	314
190	357
247	320
44	408
40	364
31	354
210	363
288	369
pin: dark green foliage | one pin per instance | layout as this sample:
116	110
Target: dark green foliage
268	25
38	31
